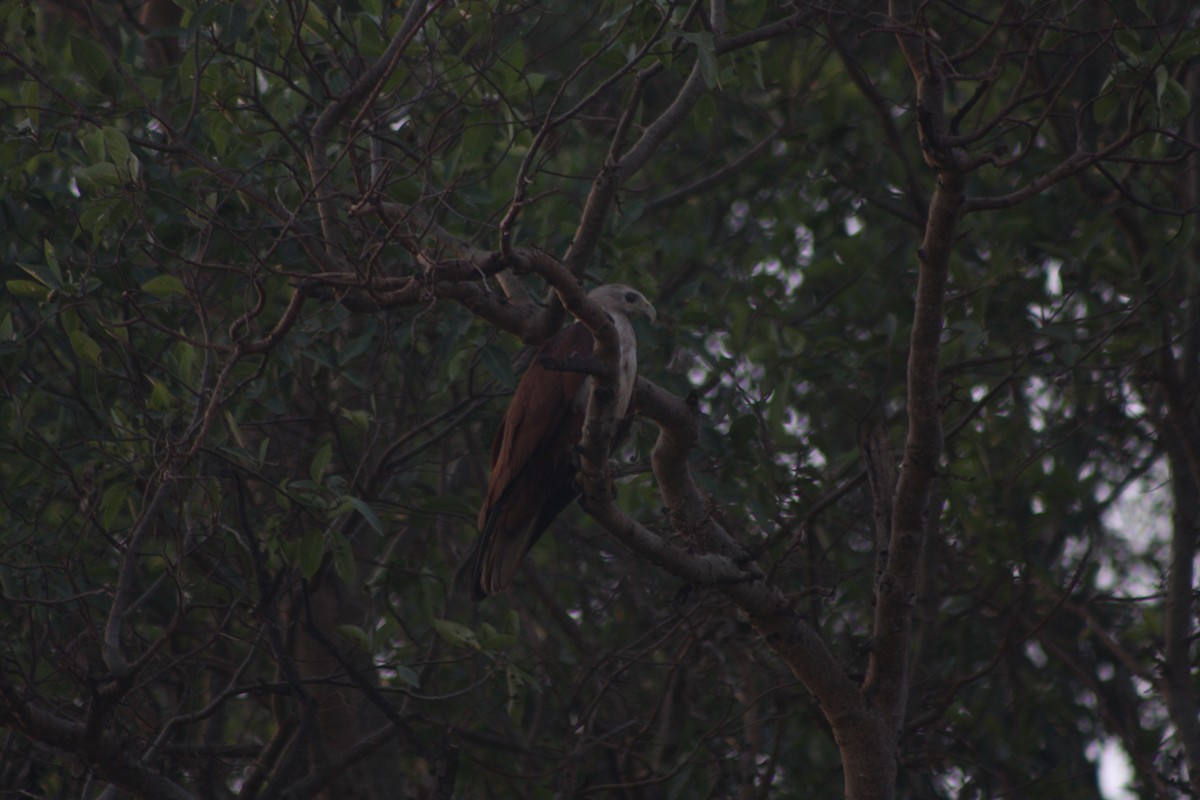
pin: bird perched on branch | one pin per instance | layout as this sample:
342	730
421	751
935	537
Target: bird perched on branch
534	453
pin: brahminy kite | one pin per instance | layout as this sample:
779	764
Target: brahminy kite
534	453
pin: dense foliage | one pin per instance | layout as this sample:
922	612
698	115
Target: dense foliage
269	273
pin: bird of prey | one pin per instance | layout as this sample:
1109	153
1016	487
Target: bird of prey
533	460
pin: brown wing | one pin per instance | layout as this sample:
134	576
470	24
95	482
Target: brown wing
532	476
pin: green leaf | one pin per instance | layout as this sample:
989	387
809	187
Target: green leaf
367	512
780	402
185	358
42	273
85	347
1185	47
1174	103
320	461
310	552
120	332
116	146
161	398
455	633
514	56
1131	43
477	140
98	177
355	634
491	639
97	214
163	286
231	18
29	289
355	348
343	557
91	60
360	419
92	142
316	22
52	265
112	501
31	99
517	681
525	678
234	429
408	676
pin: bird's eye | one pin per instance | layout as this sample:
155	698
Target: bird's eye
631	297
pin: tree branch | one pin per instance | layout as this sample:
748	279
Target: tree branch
368	84
114	657
1182	441
109	758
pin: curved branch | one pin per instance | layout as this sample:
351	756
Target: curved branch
679	431
728	570
114	626
730	170
108	757
712	557
551	121
1072	165
883	114
618	169
780	27
363	90
605	185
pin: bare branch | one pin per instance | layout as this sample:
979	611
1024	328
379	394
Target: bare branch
368	84
605	185
1183	451
108	757
782	27
114	657
730	170
1072	165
